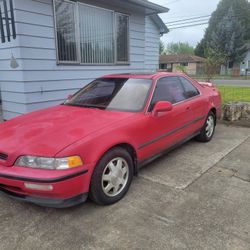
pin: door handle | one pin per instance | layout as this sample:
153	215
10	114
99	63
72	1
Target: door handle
187	108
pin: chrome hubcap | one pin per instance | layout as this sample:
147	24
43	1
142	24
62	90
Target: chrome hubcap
210	126
115	177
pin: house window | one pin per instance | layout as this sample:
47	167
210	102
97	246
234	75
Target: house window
185	64
66	31
96	35
169	66
90	35
122	45
163	66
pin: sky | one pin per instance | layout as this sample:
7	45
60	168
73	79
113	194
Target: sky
184	9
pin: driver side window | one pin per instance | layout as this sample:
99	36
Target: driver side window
168	89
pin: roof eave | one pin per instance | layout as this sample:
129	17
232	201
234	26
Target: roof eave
152	8
162	26
181	61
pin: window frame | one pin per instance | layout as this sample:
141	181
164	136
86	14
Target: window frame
115	37
177	103
184	64
77	3
77	36
199	93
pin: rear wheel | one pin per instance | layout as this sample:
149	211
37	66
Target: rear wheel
112	177
208	129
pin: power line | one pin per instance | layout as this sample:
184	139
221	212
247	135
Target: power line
193	18
187	26
177	15
189	22
192	23
172	2
201	17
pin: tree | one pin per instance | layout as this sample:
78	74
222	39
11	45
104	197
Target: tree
181	69
228	29
161	48
229	38
214	60
200	49
179	48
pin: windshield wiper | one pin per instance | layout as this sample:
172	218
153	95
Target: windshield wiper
85	105
93	106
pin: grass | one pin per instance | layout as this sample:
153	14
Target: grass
234	94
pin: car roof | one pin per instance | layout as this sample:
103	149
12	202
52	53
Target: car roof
144	75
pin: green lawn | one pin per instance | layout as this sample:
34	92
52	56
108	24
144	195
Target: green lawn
234	94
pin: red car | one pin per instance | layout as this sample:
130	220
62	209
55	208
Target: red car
95	142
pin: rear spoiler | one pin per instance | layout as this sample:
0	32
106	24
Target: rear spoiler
7	21
207	84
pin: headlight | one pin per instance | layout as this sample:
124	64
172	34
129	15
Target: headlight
49	163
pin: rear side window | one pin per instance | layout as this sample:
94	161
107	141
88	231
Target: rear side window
190	89
168	89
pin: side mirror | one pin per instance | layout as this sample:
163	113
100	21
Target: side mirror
162	106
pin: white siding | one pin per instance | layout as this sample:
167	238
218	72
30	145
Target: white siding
39	82
11	80
152	43
245	64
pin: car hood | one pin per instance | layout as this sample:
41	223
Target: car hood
48	131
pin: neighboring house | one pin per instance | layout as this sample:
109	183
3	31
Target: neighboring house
193	64
245	65
54	47
236	68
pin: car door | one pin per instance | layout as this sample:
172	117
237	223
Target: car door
196	101
169	128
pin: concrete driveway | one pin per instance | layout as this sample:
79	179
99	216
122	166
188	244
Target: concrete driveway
196	197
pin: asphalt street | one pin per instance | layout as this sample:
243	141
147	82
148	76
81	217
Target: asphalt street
240	83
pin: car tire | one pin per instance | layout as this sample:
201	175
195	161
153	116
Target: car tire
208	129
112	177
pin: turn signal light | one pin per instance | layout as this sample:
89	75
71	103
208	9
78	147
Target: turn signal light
38	186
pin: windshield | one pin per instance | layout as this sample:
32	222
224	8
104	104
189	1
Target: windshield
124	94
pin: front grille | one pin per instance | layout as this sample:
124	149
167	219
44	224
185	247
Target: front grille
3	156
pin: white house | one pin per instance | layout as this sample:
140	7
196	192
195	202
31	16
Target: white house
51	48
245	65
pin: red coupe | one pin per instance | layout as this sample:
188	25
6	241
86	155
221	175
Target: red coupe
95	142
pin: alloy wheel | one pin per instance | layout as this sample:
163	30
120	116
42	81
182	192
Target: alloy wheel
210	126
115	176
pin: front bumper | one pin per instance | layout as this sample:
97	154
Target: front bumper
67	187
47	202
